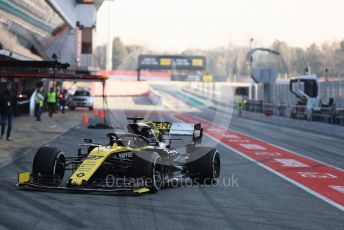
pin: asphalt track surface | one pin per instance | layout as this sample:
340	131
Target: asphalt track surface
326	148
256	198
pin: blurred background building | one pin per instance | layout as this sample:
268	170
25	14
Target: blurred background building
60	30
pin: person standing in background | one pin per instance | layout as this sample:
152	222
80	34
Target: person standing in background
51	100
38	104
63	98
6	110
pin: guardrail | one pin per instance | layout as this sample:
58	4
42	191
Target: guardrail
322	114
287	110
154	97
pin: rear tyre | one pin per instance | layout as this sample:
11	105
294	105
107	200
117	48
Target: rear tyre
148	166
204	165
72	108
90	108
48	166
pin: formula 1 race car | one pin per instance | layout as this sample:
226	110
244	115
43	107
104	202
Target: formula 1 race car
140	161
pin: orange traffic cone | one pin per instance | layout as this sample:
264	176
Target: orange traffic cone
101	114
95	112
85	118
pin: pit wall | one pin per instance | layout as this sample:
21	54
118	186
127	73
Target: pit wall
115	88
222	93
223	102
154	97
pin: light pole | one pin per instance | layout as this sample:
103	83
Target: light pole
251	43
109	45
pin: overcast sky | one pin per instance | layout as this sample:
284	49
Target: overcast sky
174	25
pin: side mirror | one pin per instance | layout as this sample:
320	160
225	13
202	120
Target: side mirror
113	138
88	140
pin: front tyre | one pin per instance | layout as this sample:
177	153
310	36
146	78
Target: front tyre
48	166
148	166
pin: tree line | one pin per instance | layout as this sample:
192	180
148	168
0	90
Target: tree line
325	60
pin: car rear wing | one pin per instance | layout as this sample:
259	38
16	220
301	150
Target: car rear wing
135	119
187	129
183	129
174	129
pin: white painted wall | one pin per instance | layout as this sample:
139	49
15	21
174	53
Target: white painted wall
86	60
66	45
86	14
67	8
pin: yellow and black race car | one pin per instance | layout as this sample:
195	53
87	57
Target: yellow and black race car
140	161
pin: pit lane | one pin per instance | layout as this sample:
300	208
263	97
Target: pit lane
259	200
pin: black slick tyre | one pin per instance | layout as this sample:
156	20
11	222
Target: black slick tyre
48	166
204	165
148	166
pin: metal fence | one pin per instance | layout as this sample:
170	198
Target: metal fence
323	114
328	89
284	102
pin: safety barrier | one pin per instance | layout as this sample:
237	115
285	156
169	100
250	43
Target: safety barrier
116	88
298	112
325	114
154	97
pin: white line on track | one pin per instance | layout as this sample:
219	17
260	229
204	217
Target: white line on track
318	195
